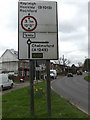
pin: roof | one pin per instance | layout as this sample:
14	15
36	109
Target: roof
15	53
12	51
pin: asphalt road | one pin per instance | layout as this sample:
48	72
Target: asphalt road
75	89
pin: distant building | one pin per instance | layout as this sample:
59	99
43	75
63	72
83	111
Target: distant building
58	67
9	63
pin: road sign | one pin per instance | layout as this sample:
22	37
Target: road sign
29	23
38	30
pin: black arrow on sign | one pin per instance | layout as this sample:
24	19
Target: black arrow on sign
44	42
30	42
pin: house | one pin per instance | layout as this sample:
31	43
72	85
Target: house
9	63
58	67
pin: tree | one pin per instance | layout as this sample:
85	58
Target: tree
80	64
63	61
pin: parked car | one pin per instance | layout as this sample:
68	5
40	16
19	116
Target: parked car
69	75
53	74
5	81
79	73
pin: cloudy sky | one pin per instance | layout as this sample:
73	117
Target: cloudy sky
72	25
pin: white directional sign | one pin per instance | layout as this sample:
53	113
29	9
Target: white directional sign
38	30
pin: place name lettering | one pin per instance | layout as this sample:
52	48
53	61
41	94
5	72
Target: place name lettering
28	3
28	7
41	47
33	7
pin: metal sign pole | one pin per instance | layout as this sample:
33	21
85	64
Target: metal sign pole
35	72
48	87
31	67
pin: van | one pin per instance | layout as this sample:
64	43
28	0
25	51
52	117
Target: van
5	81
53	74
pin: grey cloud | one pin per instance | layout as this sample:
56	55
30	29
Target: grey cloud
75	2
9	15
67	27
75	36
78	20
12	23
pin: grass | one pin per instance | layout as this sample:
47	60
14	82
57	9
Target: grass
16	104
18	81
87	78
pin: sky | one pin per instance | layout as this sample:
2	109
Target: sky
72	28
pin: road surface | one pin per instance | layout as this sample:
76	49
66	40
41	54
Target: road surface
75	89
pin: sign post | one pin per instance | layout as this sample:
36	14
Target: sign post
38	38
31	66
48	87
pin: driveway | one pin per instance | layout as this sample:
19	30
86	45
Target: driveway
75	89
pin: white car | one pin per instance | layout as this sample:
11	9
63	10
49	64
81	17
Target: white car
5	81
53	74
69	75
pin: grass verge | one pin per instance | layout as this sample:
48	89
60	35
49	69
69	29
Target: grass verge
16	104
87	78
